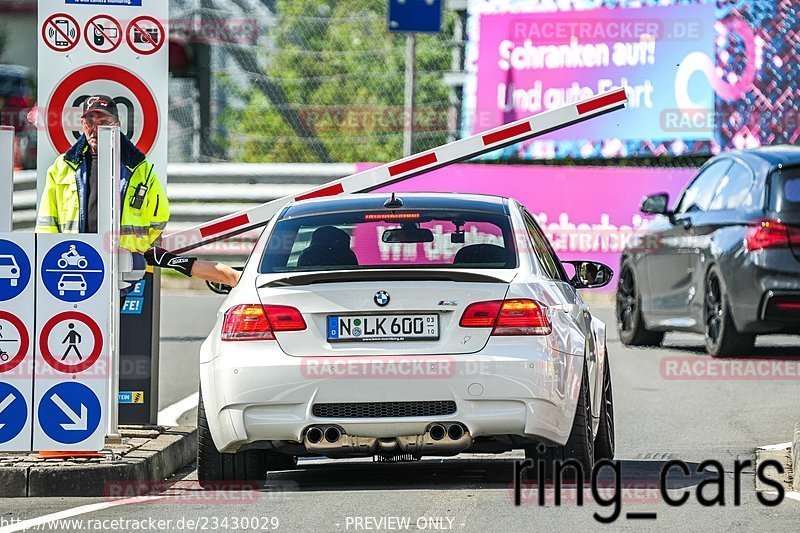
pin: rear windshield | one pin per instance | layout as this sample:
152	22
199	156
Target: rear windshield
405	239
11	85
786	191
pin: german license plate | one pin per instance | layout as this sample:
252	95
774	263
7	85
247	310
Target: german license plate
383	328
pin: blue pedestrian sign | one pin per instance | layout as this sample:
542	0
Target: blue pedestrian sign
69	413
13	412
15	270
412	16
72	271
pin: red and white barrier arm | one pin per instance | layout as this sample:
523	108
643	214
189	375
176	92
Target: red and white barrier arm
521	130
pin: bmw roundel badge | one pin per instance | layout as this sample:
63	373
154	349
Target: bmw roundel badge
382	298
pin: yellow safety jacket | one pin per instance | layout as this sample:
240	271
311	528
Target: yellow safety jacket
63	205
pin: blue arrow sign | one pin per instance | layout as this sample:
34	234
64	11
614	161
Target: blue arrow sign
69	413
15	270
72	271
13	412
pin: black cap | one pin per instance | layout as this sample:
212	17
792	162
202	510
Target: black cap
102	104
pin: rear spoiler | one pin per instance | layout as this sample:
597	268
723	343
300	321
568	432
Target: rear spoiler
341	276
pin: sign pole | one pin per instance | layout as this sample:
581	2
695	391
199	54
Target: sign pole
108	222
6	178
410	89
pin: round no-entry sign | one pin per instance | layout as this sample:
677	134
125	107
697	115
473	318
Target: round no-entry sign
127	81
14	341
71	342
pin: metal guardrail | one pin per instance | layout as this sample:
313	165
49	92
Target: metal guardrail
199	192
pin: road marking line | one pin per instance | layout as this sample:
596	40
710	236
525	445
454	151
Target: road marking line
793	495
169	415
75	511
771	447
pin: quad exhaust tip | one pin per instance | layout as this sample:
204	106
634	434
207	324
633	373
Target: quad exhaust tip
455	432
437	432
332	435
314	435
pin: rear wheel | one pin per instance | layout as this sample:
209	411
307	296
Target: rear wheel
605	441
630	324
722	339
580	445
217	470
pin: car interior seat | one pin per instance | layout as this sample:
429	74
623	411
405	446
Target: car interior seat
330	246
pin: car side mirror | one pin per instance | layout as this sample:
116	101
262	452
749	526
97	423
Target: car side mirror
590	274
655	204
221	288
218	288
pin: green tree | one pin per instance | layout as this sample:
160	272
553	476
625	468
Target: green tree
339	67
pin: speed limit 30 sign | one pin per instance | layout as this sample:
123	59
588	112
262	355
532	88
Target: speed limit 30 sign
108	48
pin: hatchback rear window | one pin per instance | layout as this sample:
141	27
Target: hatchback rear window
400	239
786	190
791	190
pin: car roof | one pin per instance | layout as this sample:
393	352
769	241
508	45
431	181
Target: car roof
375	201
15	70
765	158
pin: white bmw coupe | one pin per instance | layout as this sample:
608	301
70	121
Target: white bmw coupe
402	326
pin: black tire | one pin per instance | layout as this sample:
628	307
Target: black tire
579	446
279	461
721	337
218	471
630	324
605	441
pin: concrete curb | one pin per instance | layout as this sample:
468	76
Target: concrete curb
152	462
796	458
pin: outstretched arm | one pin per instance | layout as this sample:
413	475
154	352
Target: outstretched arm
216	273
192	267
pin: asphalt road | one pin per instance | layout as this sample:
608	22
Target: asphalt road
661	415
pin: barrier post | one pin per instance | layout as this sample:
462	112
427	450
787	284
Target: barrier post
6	178
108	222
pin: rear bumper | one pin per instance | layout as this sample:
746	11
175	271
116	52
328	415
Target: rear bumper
753	283
254	393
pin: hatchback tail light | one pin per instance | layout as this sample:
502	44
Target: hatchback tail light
770	234
18	102
252	322
508	317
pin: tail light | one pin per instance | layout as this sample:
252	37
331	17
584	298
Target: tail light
251	322
508	317
18	101
783	308
770	234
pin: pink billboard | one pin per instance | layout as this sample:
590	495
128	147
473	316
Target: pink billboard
587	212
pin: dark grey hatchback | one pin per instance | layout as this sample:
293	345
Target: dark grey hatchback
725	262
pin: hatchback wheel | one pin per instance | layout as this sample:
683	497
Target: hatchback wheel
604	443
630	324
224	471
579	447
722	339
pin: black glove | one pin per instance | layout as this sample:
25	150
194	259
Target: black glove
159	257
